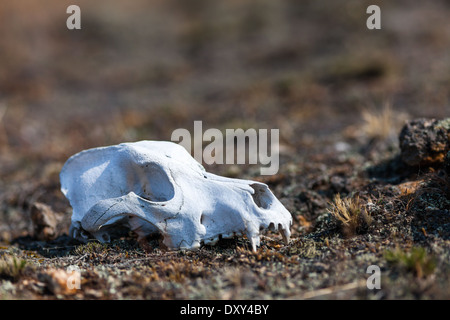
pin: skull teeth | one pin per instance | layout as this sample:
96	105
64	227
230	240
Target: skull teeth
255	242
79	233
211	241
283	230
286	235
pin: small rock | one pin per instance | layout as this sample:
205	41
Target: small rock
45	221
342	146
425	141
409	187
59	281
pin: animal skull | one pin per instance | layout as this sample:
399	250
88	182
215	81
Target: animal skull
157	187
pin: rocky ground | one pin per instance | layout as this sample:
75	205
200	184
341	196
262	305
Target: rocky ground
364	139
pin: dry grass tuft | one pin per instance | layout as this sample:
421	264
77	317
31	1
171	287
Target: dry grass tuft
382	124
350	213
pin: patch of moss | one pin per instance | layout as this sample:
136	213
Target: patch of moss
417	261
12	267
443	124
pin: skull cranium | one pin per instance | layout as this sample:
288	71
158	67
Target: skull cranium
157	187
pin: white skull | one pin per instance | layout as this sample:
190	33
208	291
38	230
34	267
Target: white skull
157	187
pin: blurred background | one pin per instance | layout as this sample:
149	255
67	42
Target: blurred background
140	69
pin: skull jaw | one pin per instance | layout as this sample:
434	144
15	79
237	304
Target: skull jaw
144	218
247	208
103	234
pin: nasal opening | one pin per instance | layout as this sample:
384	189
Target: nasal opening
262	196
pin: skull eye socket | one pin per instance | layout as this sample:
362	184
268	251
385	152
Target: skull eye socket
261	196
154	184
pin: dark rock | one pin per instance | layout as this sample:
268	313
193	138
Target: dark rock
339	184
425	142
